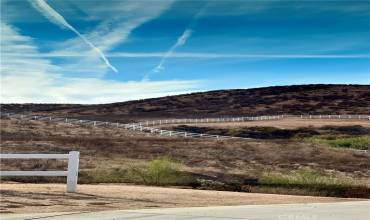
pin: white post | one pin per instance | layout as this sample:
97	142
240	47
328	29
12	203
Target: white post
72	176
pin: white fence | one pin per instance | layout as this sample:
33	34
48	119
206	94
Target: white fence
132	126
242	119
147	126
71	174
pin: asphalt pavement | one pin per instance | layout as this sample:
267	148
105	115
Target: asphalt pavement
357	210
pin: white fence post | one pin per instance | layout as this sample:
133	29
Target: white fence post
72	176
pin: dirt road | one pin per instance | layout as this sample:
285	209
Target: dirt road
38	198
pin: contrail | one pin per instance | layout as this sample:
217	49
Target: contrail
180	41
58	19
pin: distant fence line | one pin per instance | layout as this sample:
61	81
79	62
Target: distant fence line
130	126
147	126
242	119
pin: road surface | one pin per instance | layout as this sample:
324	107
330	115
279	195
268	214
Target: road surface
359	210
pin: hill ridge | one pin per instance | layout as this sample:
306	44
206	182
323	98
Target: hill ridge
294	99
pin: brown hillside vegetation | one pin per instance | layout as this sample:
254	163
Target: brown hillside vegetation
298	99
107	154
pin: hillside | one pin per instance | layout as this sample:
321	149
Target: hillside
297	99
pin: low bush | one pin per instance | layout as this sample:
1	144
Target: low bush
160	171
359	142
307	178
311	182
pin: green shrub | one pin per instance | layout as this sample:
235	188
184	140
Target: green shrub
307	178
360	142
160	171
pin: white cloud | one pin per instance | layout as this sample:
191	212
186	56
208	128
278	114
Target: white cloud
39	89
35	79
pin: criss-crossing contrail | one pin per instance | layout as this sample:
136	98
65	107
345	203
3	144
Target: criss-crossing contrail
53	16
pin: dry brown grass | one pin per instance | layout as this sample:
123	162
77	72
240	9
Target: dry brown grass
103	148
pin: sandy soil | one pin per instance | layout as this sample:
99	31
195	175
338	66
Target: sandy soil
289	123
26	198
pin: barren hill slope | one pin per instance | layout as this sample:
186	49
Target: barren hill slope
297	99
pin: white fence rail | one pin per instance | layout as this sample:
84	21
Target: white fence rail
148	126
71	174
243	119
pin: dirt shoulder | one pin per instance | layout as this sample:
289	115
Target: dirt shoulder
26	198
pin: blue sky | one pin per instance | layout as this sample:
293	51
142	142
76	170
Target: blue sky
92	51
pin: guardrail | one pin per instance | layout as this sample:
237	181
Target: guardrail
71	173
147	126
